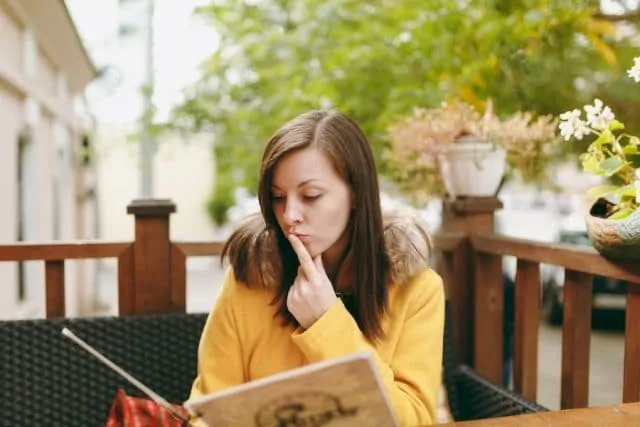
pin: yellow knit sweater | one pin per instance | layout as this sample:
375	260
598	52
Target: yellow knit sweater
243	341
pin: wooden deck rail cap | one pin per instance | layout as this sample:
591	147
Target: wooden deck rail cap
475	204
151	207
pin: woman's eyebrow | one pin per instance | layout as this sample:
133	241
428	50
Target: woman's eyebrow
303	183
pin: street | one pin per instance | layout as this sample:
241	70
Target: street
606	363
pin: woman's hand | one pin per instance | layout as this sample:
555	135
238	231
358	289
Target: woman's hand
312	293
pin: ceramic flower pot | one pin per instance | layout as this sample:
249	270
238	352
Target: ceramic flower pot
613	238
472	168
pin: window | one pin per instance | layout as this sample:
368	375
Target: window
30	63
62	91
61	178
24	181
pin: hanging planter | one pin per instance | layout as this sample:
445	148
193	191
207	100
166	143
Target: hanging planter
472	168
613	220
457	151
613	238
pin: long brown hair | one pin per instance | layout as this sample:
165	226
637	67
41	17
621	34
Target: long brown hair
348	149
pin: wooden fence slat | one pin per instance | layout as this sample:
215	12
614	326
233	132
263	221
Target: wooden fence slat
126	282
54	291
576	339
462	299
488	316
178	279
527	309
454	265
152	265
631	384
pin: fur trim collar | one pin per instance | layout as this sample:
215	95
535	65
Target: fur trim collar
408	246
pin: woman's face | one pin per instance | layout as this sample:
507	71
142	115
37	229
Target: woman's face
312	201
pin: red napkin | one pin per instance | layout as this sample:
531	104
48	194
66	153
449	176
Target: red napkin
128	411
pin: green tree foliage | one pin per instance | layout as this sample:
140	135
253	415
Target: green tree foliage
378	60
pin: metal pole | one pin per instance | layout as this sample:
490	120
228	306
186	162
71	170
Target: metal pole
147	146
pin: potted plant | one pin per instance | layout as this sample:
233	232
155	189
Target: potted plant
611	209
456	151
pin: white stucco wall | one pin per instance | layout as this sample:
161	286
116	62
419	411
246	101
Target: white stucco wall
183	172
11	113
35	95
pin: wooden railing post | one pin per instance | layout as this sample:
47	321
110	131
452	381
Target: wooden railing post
153	279
470	214
576	339
631	385
467	215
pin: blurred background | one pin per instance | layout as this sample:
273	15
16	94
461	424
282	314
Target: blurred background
107	101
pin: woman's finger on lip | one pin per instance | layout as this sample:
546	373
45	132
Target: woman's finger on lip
303	255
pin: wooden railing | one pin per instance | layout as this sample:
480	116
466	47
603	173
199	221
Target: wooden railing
152	279
151	268
54	256
580	265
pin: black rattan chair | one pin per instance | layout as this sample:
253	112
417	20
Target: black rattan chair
473	397
46	380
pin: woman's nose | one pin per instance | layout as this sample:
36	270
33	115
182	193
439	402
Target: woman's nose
292	213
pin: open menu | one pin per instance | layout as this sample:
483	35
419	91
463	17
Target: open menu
345	391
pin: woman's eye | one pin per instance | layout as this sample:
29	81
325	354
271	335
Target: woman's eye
277	197
312	197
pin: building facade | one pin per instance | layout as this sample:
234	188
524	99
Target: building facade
45	174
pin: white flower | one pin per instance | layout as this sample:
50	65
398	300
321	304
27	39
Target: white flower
598	117
571	125
566	130
634	72
571	115
593	110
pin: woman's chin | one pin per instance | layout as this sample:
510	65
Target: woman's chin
314	250
314	253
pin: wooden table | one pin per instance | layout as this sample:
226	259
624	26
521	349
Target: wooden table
605	416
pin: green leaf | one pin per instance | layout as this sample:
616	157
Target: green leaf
606	137
630	149
602	190
616	125
622	213
611	166
590	164
634	160
628	190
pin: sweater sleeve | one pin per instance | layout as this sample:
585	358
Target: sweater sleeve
413	376
220	352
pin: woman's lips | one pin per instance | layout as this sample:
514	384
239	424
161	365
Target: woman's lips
304	238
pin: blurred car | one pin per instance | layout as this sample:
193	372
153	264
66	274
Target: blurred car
542	225
608	293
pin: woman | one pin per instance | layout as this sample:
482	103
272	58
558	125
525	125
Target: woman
321	274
